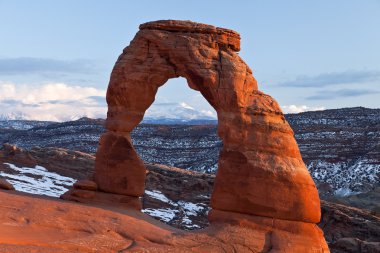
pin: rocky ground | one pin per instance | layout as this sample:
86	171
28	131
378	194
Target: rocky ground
44	225
175	196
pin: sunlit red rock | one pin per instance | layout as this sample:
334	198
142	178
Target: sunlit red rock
5	185
35	224
260	169
86	185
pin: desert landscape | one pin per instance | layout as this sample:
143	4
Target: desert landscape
242	175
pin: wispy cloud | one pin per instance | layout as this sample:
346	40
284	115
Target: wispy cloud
332	94
62	102
334	78
300	108
53	101
46	92
44	66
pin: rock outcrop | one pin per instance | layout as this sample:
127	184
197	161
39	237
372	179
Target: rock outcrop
34	224
349	229
260	169
5	185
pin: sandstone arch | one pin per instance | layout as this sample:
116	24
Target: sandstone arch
260	172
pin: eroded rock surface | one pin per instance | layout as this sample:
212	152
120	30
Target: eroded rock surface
34	224
260	169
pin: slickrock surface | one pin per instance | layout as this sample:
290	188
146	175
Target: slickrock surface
260	169
32	224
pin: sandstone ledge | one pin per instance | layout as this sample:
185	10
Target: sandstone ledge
35	224
187	26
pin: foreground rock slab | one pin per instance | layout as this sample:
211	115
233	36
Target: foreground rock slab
34	224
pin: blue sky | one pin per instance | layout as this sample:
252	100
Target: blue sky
306	54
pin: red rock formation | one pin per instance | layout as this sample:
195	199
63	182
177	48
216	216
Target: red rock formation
4	184
35	224
260	172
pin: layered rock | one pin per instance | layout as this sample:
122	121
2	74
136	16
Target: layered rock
260	172
186	195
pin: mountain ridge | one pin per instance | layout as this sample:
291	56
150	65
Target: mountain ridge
339	146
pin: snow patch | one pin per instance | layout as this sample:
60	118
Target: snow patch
43	183
346	179
164	214
160	196
184	208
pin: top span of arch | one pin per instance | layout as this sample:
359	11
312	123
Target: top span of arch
224	36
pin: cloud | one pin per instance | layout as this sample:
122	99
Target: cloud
52	101
63	102
332	94
300	108
186	106
334	78
46	92
44	66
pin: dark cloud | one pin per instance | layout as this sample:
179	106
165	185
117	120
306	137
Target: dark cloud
332	94
43	66
335	78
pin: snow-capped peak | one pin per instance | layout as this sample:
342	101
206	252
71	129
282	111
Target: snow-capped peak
179	111
186	106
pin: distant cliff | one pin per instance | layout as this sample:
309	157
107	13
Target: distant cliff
341	147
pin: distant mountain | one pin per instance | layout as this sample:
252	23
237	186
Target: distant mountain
341	148
177	113
22	124
158	113
168	121
13	116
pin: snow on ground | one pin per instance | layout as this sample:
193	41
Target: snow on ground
187	209
163	214
40	181
37	180
346	179
159	196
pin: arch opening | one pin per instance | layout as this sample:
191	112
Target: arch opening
178	130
